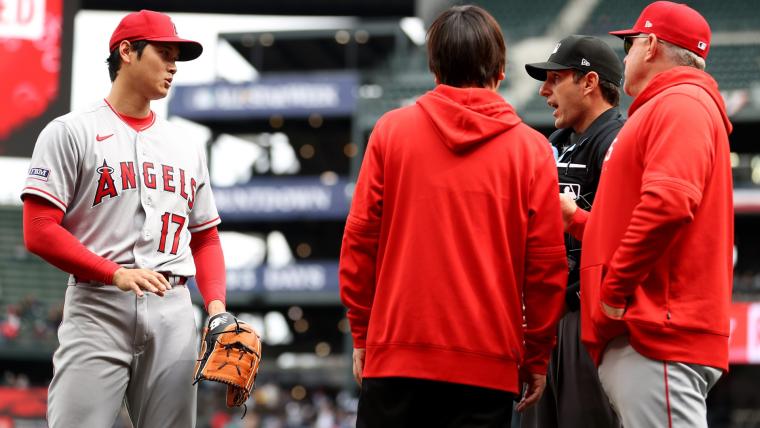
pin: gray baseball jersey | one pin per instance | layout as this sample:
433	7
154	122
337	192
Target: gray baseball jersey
130	197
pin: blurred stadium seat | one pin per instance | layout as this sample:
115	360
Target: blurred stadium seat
521	19
724	15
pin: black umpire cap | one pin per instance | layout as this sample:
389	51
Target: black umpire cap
583	53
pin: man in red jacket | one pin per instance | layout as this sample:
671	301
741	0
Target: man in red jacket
656	271
454	227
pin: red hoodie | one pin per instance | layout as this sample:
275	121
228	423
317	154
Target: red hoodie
659	241
455	223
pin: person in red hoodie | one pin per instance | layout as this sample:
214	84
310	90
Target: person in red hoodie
453	265
656	270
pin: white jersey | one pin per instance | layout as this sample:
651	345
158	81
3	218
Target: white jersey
130	197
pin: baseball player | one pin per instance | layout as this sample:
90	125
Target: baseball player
117	197
581	82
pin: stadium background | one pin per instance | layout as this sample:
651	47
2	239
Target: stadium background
284	99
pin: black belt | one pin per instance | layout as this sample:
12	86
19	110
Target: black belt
174	280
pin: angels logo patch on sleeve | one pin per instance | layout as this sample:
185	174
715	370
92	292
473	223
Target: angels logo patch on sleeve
40	174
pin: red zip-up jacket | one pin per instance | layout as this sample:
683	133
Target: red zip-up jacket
454	224
659	241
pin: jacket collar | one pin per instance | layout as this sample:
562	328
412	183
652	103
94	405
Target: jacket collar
598	123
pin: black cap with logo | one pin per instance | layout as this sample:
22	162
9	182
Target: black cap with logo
584	53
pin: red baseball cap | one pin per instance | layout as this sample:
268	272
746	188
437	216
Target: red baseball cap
675	23
155	27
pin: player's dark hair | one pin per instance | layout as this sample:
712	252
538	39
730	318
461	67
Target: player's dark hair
466	47
114	60
610	91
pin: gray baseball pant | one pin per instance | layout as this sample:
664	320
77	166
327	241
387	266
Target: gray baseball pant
116	347
652	393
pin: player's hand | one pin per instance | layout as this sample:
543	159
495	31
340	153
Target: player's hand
612	312
535	385
137	280
568	207
359	364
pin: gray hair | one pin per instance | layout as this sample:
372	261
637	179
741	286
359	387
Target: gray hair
681	56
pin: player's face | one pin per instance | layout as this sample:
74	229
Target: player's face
155	69
565	96
634	64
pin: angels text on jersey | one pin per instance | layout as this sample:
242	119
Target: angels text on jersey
154	176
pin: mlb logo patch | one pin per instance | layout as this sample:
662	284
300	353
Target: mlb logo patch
39	174
702	46
571	189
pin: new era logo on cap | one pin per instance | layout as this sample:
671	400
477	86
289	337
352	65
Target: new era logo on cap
677	23
585	62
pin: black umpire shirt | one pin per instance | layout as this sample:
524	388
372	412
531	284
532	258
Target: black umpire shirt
579	166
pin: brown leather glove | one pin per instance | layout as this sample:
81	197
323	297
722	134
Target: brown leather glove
230	354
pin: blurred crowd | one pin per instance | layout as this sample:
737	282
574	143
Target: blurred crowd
29	320
273	406
747	282
14	380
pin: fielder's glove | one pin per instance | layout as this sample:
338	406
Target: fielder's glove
230	354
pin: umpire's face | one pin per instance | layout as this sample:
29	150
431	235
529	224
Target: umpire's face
565	95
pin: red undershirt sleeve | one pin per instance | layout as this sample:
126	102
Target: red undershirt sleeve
209	265
46	237
578	224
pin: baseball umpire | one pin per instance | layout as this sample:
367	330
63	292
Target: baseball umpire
581	82
116	197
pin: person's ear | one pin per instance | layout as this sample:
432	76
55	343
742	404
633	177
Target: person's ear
591	82
652	48
124	48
